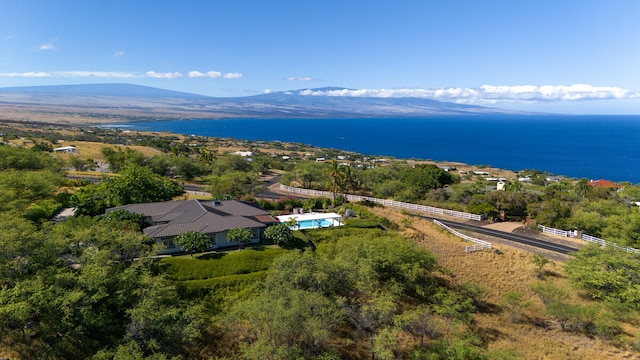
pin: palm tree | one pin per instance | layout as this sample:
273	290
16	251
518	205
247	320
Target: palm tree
513	186
336	176
348	179
582	188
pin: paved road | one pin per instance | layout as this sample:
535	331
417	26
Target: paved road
522	239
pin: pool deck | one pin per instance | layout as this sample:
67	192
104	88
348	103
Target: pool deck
332	217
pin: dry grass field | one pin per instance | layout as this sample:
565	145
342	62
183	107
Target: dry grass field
93	150
535	335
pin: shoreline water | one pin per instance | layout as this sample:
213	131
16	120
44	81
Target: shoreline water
592	147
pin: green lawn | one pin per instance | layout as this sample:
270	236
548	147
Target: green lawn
221	263
220	275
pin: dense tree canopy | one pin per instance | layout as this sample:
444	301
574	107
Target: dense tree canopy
72	289
607	273
234	183
362	283
20	158
135	184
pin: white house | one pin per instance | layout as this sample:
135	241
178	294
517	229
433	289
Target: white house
67	149
243	153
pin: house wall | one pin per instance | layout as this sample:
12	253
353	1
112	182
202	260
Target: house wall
219	241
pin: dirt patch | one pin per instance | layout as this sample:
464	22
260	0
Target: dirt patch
504	226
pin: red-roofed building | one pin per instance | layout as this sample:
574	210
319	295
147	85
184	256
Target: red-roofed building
604	183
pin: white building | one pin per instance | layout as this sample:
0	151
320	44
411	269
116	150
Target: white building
67	149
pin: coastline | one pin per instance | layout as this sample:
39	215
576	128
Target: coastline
497	148
574	146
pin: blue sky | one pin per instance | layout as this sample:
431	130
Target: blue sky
560	56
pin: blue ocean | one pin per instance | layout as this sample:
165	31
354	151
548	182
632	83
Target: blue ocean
594	147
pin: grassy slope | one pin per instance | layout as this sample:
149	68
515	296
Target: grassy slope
220	275
535	336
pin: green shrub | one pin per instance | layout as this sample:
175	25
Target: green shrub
212	265
221	287
363	224
43	210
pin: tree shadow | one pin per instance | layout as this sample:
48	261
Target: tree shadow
211	256
488	335
297	243
486	307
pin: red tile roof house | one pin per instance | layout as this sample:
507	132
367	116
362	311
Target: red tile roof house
604	183
214	218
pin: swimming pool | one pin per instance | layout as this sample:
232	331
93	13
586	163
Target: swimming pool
314	224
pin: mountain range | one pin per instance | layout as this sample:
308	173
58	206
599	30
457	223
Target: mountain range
127	102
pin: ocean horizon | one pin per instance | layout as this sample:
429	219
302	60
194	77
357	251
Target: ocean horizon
577	146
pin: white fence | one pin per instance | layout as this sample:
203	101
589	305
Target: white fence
385	202
480	244
558	232
593	239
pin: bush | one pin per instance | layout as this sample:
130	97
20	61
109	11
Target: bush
280	234
42	211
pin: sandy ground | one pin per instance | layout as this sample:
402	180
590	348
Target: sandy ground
504	226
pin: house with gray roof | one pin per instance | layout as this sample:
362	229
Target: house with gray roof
212	217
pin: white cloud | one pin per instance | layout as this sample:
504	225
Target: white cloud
232	75
267	91
302	78
117	74
51	45
67	74
102	74
26	74
490	94
209	74
194	74
214	74
118	54
167	75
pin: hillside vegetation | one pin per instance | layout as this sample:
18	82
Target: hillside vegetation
387	285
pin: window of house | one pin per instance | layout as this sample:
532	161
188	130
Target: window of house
168	243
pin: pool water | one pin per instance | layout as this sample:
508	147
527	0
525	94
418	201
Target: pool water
313	224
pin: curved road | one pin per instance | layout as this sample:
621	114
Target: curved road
522	239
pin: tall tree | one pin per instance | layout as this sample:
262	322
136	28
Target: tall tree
193	241
118	159
607	273
135	184
349	180
280	234
234	183
187	168
240	235
336	176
